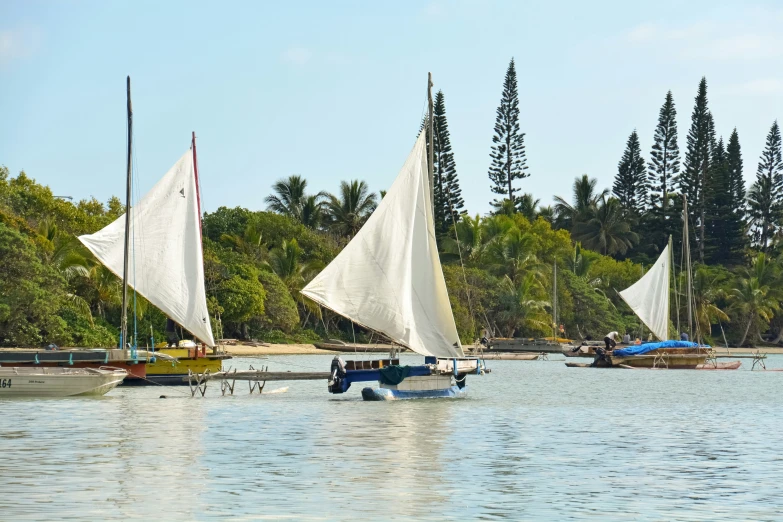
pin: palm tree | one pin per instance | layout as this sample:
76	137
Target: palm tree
585	202
512	255
527	205
250	243
285	262
547	214
606	231
63	252
348	213
752	302
289	198
292	201
523	306
313	211
706	291
66	254
471	245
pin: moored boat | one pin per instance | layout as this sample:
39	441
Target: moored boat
163	232
58	382
134	364
389	279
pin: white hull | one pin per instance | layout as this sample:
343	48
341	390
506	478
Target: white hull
57	382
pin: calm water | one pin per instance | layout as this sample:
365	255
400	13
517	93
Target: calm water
535	440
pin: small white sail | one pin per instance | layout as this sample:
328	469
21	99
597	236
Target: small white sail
649	296
389	277
166	249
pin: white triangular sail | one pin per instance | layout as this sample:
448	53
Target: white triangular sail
649	296
165	248
389	277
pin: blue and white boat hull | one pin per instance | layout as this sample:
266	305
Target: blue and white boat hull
387	394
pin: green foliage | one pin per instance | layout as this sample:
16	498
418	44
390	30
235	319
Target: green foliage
590	313
280	312
32	295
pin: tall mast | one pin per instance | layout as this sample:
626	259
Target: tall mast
674	283
431	125
195	173
554	298
124	329
687	248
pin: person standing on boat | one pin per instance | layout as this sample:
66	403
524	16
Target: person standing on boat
611	340
600	353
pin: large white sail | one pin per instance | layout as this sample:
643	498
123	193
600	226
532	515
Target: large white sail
165	248
389	277
649	296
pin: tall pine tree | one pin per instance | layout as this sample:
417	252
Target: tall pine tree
718	207
448	195
630	184
766	194
694	179
508	152
663	219
736	181
736	227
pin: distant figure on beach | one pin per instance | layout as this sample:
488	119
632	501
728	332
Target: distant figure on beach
684	336
171	333
627	338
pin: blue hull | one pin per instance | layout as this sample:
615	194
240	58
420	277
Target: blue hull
385	394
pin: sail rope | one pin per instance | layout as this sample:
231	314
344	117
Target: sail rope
462	265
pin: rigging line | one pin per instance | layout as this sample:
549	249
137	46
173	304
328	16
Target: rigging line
462	264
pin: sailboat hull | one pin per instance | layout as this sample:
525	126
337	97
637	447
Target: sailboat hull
386	394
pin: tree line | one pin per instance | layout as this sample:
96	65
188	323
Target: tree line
499	268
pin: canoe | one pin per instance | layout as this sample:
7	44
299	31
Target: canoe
58	382
509	356
733	365
363	348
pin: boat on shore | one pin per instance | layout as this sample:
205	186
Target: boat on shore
389	279
339	346
494	356
58	382
530	345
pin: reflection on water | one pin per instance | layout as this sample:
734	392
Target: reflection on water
535	440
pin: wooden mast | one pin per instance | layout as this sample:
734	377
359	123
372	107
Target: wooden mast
688	276
431	125
195	173
124	328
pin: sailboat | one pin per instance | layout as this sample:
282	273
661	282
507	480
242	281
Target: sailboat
389	279
649	298
161	245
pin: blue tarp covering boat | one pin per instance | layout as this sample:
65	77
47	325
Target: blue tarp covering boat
648	347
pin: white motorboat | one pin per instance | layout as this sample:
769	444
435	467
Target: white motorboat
58	382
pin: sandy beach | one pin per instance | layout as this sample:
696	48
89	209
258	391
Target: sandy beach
243	350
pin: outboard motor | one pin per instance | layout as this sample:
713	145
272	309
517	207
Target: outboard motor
337	375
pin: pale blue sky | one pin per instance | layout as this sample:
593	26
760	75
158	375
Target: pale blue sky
336	90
